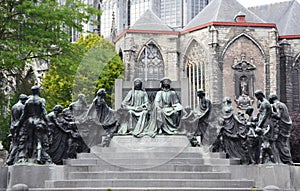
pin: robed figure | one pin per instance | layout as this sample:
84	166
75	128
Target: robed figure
232	132
166	113
103	116
59	136
202	114
284	125
136	106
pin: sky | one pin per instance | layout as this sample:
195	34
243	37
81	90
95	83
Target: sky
251	3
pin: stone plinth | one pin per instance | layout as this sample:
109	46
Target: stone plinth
3	178
32	175
283	176
146	142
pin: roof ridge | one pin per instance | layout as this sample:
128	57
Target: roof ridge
217	13
288	13
267	4
149	17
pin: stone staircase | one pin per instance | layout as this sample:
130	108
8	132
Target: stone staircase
163	163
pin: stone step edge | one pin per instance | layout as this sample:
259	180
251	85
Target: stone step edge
149	166
114	160
153	172
146	189
148	180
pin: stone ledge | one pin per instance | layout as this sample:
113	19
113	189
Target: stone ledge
283	176
146	142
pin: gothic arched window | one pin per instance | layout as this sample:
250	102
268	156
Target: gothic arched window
195	68
150	65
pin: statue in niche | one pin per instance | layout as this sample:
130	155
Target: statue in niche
243	101
266	130
34	130
16	112
136	103
243	82
283	124
166	113
244	85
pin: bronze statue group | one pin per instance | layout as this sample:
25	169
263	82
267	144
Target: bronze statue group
256	139
50	138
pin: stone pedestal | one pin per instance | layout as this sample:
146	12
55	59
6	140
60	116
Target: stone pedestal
3	178
160	163
149	142
33	175
3	156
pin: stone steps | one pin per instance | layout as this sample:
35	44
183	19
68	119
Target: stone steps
146	189
146	154
138	166
97	149
139	183
151	161
124	167
149	175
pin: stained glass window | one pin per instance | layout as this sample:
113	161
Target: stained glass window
195	68
150	65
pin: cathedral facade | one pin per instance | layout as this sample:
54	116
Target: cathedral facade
227	50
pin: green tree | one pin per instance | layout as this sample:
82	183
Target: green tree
99	68
96	66
113	70
39	28
36	29
58	82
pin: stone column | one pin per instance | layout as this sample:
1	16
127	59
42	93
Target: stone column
118	93
129	57
129	64
171	66
214	69
273	86
286	86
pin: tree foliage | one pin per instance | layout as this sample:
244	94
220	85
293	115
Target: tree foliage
58	82
96	66
99	68
38	28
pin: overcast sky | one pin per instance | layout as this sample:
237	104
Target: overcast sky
250	3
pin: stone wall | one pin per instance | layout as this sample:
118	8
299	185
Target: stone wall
290	64
132	45
221	45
